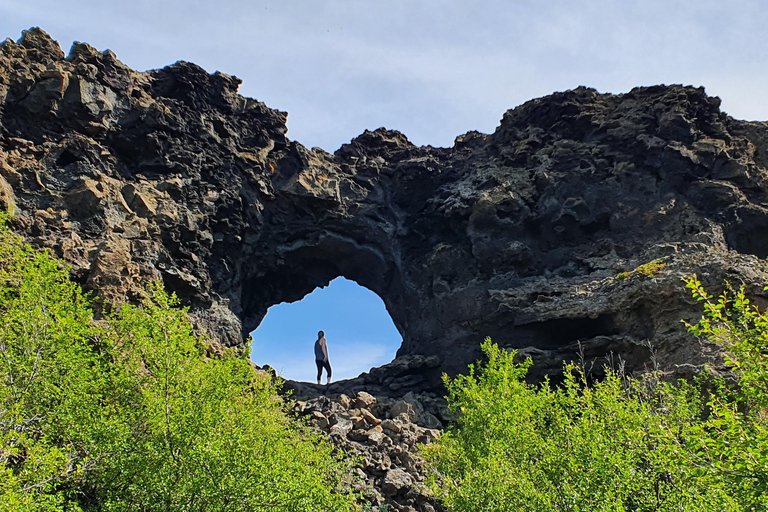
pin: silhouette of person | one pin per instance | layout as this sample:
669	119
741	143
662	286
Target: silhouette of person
321	358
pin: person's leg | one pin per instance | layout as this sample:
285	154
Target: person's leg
327	365
319	369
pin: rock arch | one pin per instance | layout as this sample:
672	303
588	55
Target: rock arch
519	235
304	267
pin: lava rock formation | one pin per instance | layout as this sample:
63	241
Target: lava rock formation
521	235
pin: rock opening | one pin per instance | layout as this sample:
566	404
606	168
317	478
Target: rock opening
359	330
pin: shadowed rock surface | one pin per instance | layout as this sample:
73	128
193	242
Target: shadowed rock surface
518	235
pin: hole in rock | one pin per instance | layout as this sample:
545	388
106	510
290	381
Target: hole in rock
358	328
65	158
753	240
563	331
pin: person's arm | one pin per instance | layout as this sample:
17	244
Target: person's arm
325	349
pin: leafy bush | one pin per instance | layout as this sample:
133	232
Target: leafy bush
736	436
620	444
127	414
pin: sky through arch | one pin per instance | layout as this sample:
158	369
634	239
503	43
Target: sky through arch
358	328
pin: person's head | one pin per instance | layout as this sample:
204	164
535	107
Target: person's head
320	334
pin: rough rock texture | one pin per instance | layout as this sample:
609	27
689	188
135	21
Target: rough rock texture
385	435
518	235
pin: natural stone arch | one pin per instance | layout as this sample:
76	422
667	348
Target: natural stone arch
519	234
305	266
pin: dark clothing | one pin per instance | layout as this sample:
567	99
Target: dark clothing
321	350
320	365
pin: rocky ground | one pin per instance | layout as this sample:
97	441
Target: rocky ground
385	435
403	375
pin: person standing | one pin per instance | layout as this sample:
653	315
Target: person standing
321	358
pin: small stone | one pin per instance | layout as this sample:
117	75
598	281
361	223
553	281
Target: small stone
394	481
405	419
376	438
427	435
402	407
345	401
369	417
358	422
391	425
319	420
342	427
364	400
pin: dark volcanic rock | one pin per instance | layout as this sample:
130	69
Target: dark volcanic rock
518	235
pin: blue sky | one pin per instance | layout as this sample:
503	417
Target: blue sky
358	329
431	69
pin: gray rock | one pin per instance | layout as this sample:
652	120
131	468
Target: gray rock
429	420
342	427
401	407
395	481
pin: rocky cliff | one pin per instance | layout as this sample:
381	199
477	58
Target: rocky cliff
535	235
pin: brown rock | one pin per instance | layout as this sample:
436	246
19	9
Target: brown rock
7	197
319	420
364	400
369	417
391	426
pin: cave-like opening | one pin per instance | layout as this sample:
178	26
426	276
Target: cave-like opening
359	330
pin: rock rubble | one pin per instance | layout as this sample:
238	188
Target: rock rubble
385	435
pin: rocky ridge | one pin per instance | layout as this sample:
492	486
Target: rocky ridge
520	235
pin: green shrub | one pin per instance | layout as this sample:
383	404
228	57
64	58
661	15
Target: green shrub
736	436
127	414
621	444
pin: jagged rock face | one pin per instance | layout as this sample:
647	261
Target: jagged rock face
518	235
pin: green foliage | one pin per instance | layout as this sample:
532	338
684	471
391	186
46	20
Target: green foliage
127	414
50	378
732	320
620	444
650	269
736	436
